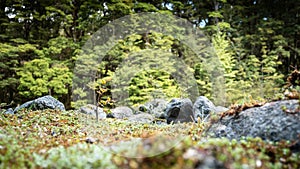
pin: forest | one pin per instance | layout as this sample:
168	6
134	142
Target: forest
256	41
136	84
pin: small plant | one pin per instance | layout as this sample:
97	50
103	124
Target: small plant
56	139
214	117
101	89
283	108
293	85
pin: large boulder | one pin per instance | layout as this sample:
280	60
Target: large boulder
92	110
203	107
179	110
121	112
155	107
274	121
45	102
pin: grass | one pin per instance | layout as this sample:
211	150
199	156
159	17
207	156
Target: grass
56	139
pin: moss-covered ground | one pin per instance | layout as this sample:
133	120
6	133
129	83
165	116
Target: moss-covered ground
55	139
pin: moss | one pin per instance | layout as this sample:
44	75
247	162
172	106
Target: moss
55	139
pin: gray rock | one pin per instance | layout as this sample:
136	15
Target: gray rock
179	110
155	107
142	118
203	107
121	112
92	110
9	111
270	122
45	102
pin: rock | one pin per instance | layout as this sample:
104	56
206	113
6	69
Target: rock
92	110
142	108
142	118
9	111
90	140
121	112
274	121
203	107
179	110
155	107
45	102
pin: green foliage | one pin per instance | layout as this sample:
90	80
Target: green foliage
11	57
61	49
255	41
80	155
203	79
151	73
36	132
151	84
258	67
226	56
250	152
143	63
38	77
55	139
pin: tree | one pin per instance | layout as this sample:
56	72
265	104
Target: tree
226	55
258	39
39	77
11	57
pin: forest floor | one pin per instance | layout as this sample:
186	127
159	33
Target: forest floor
65	139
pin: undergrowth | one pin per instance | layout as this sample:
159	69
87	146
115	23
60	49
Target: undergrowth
56	139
